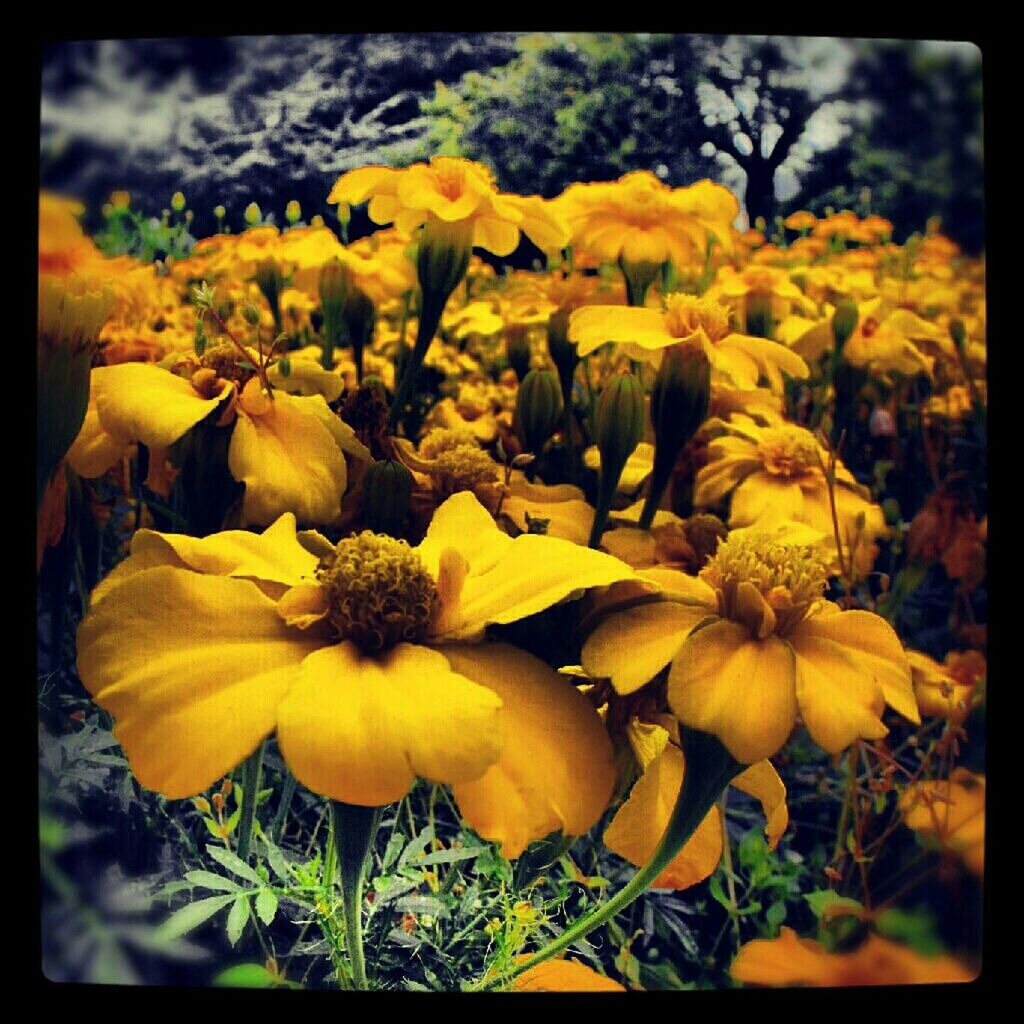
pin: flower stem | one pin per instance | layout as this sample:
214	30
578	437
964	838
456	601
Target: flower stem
250	794
354	831
709	769
287	793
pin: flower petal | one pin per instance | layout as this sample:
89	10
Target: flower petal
192	668
591	326
556	771
289	462
360	729
631	647
762	781
637	828
740	689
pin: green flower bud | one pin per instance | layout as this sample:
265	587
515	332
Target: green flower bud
334	284
538	408
443	258
219	212
178	202
271	283
562	350
251	314
679	405
844	323
292	211
387	489
253	215
317	221
639	277
517	347
619	422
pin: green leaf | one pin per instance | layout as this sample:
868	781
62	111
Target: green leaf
190	917
266	906
776	914
245	976
718	894
822	899
236	919
208	880
418	845
395	844
277	862
447	857
212	827
232	823
234	864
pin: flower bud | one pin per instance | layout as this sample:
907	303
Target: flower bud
619	422
562	350
844	322
251	314
253	215
958	332
317	221
334	284
271	282
443	258
219	212
517	347
292	212
178	202
387	490
120	200
538	408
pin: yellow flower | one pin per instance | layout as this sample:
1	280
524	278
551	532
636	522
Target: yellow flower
563	976
759	297
456	192
774	474
366	660
951	811
641	220
946	691
288	452
790	960
769	647
741	360
562	507
639	824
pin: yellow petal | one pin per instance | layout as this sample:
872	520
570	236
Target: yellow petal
592	326
564	976
742	690
307	378
762	781
637	828
873	644
275	555
360	729
787	960
94	450
631	647
495	235
762	493
556	771
192	668
839	701
464	524
303	605
356	186
647	740
288	461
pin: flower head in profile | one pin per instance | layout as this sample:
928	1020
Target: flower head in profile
740	361
790	960
364	657
451	191
753	644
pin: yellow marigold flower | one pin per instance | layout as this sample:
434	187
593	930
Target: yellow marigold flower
288	452
563	508
800	221
952	812
366	660
741	360
641	220
790	960
889	341
946	691
769	648
453	191
758	296
639	824
774	473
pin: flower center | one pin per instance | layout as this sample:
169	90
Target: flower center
788	451
379	593
444	439
686	314
223	359
790	578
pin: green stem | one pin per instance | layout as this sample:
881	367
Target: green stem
277	827
605	495
431	307
664	462
709	769
250	794
354	831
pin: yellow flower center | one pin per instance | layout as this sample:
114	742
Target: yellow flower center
450	177
379	593
686	314
465	467
443	439
788	451
791	579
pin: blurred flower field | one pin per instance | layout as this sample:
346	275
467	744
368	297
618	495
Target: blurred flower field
618	623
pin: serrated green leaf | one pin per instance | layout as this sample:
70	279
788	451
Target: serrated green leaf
236	919
446	857
209	880
277	862
395	844
266	906
417	846
184	920
234	864
244	976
